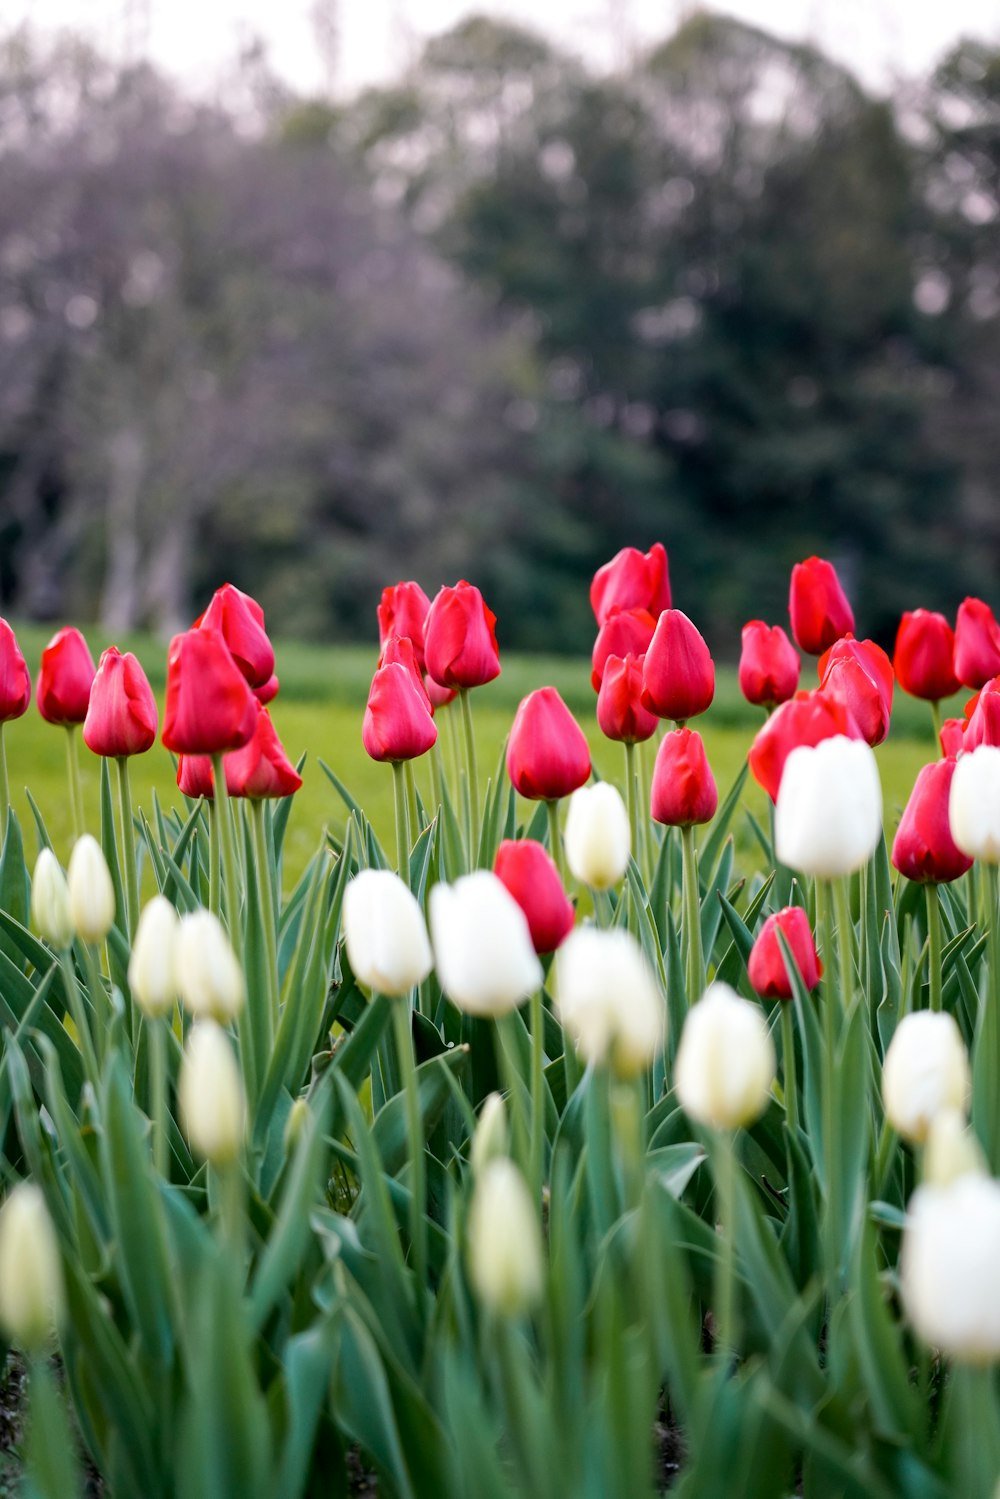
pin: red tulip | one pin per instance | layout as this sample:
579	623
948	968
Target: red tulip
547	753
951	737
438	696
632	580
982	717
209	707
397	723
684	790
403	611
766	968
627	631
678	673
195	776
620	713
817	606
460	642
858	674
977	643
923	848
769	665
261	768
924	656
240	620
64	678
15	680
121	718
398	648
529	874
807	718
268	692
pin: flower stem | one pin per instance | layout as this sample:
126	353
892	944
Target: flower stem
225	817
536	1172
555	840
214	860
418	1190
935	975
936	718
268	917
695	963
473	770
789	1081
73	773
128	846
402	822
831	1153
725	1266
158	1093
632	799
78	1010
4	791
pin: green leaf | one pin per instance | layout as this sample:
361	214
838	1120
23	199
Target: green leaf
51	1470
893	1402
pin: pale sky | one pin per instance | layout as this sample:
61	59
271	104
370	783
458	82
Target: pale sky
197	39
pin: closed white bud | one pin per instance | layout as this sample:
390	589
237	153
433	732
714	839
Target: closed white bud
491	1137
597	837
505	1241
926	1069
725	1062
828	816
31	1279
385	934
483	950
951	1150
152	975
209	977
950	1267
210	1094
50	901
91	893
608	1000
294	1124
974	804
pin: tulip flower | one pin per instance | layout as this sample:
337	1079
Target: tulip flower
632	580
977	643
817	606
261	768
767	969
209	707
15	680
403	611
627	631
951	737
620	713
974	804
399	648
951	1149
491	1139
926	1069
438	696
769	665
91	893
950	1268
528	872
195	776
210	1095
725	1061
32	1294
547	752
982	717
152	978
828	816
806	719
209	977
923	659
608	1000
678	672
683	790
50	901
385	934
240	621
858	675
268	692
505	1241
460	643
923	848
397	724
597	838
482	944
121	717
64	678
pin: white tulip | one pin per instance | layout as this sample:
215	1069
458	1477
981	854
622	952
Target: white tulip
50	901
210	1094
608	999
505	1240
597	837
385	934
974	804
209	977
926	1069
91	893
725	1061
951	1150
482	946
828	816
31	1280
491	1139
950	1267
152	975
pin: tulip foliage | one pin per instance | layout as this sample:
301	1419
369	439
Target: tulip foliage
549	1151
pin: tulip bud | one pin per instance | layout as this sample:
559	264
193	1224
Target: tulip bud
817	606
951	1150
597	837
858	674
195	776
209	977
526	869
397	724
261	768
923	848
769	665
627	632
767	970
15	680
121	717
620	713
725	1061
547	752
152	977
678	673
210	1094
952	737
31	1278
950	1268
91	893
683	791
50	901
491	1138
400	649
632	580
926	1069
209	707
240	621
294	1125
403	611
807	718
505	1241
482	945
974	804
460	642
982	717
268	691
977	643
924	656
828	816
64	678
608	1000
385	934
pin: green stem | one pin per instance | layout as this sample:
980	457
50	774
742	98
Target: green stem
78	1010
227	1184
473	770
418	1190
632	799
128	846
934	945
505	1041
413	811
695	960
725	1266
266	887
225	816
831	1153
989	1024
4	790
158	1093
436	775
845	934
73	772
536	1172
555	840
936	717
789	1081
402	823
214	860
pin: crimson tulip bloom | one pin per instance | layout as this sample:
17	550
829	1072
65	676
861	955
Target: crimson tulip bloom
769	665
397	723
268	692
547	753
195	776
122	718
923	659
438	696
952	737
977	643
398	648
403	611
64	678
531	877
807	718
766	968
460	642
15	679
620	713
632	580
923	848
240	620
683	790
982	717
678	673
627	631
209	707
817	606
858	674
261	768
